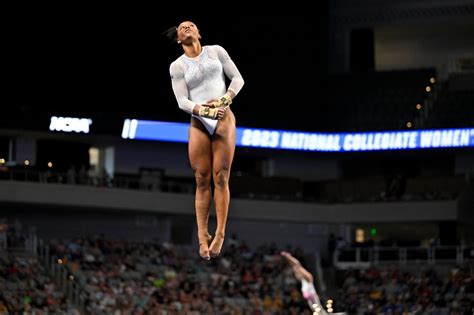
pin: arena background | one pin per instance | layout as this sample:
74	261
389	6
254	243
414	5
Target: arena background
109	222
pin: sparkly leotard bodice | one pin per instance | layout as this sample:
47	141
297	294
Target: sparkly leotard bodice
200	79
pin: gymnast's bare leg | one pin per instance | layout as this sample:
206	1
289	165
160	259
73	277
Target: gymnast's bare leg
223	149
200	157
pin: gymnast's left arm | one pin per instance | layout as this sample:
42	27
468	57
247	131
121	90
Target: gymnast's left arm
231	71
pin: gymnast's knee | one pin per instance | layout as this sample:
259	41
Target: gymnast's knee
203	179
221	178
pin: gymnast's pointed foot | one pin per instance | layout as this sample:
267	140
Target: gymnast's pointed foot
204	245
216	245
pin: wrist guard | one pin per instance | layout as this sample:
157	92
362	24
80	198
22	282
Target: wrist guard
223	101
208	112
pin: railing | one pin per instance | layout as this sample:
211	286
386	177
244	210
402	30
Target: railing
63	280
364	257
49	177
337	191
28	242
58	272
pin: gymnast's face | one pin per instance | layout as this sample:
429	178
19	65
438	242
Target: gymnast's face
187	32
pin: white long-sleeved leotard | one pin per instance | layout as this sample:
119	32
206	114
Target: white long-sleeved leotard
200	79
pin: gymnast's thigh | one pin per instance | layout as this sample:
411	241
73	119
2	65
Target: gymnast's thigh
223	142
199	147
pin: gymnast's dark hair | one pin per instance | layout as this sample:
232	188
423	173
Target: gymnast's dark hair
171	33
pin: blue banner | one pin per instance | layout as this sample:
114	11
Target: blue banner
309	141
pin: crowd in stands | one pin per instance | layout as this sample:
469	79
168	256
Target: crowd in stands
137	277
122	277
25	288
393	291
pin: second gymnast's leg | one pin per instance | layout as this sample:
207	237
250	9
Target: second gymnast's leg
200	157
223	148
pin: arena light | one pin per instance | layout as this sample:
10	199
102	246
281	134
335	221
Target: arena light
306	141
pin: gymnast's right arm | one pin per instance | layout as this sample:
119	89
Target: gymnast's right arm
180	89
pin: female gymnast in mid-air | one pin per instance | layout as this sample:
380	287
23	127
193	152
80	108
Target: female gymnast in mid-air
198	81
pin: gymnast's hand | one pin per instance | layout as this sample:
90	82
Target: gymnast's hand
299	271
223	101
208	111
291	260
211	103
